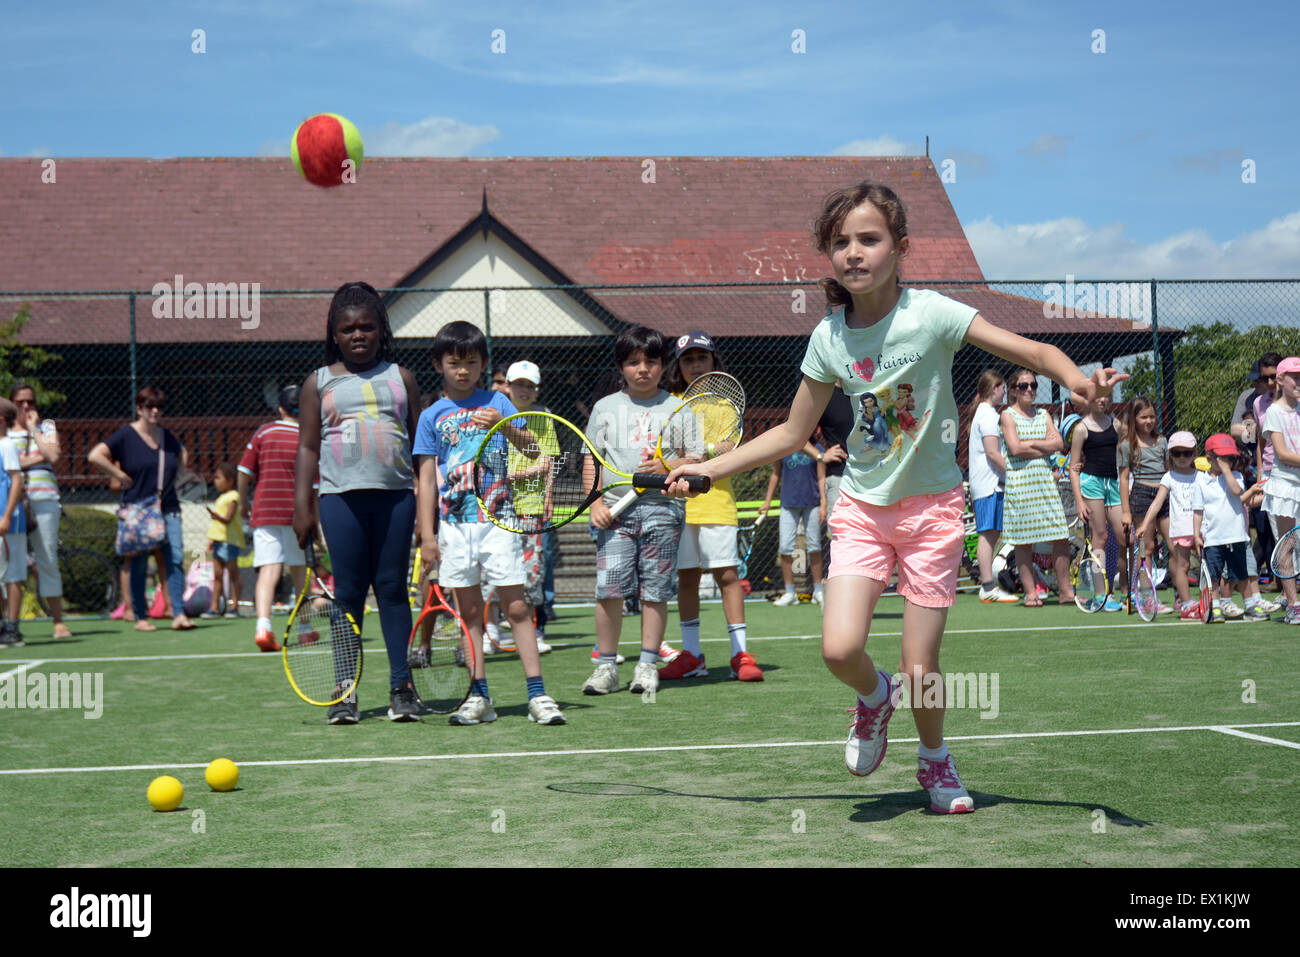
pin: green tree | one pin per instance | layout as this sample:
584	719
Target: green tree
19	361
1211	369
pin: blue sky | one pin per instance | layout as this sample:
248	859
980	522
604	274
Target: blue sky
1125	164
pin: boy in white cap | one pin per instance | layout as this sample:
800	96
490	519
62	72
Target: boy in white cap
523	379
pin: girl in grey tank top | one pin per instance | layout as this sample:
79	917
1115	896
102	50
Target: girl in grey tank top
356	426
364	441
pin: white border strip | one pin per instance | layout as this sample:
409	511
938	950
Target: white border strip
1257	737
679	747
25	666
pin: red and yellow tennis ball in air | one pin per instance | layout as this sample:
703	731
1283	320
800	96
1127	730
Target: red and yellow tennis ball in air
222	775
327	149
165	793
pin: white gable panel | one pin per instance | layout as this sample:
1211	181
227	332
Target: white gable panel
517	307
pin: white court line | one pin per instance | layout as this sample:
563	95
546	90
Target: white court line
648	750
34	663
631	642
1257	737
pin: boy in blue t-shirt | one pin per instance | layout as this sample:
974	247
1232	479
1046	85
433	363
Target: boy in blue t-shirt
802	477
468	548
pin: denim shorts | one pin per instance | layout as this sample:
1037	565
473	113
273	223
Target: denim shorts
226	552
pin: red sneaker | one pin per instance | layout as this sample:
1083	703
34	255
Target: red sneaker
745	668
266	641
685	665
667	654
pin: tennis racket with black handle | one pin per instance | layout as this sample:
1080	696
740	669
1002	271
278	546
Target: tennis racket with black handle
536	471
1091	586
441	653
745	536
322	643
1207	589
1142	584
712	409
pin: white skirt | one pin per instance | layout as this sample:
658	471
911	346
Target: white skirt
1281	499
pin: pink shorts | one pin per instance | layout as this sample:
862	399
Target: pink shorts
923	534
1184	541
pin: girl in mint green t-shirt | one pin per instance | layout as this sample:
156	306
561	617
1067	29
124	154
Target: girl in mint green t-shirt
901	504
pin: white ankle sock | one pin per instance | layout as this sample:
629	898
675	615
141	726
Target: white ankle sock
934	754
877	697
691	636
738	639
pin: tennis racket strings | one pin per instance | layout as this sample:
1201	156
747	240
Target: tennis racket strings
328	653
526	488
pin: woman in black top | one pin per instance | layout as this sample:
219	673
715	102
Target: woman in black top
134	448
1094	476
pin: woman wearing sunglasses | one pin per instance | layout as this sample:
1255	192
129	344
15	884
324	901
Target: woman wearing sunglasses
1032	509
135	447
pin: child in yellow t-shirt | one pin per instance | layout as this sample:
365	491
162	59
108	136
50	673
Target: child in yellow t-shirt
225	539
708	542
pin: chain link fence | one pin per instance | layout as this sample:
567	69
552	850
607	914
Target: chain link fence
221	356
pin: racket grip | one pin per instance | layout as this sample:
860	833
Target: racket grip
696	483
624	503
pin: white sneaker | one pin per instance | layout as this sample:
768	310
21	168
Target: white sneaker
947	795
997	594
1268	606
817	597
868	737
645	677
544	710
1230	609
1293	615
476	710
542	647
786	600
604	680
492	632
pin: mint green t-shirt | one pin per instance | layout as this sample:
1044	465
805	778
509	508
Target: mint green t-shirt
898	377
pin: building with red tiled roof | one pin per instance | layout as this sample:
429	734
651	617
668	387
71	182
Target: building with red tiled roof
459	228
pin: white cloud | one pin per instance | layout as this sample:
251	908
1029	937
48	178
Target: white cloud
1213	162
432	136
881	146
1049	144
1058	247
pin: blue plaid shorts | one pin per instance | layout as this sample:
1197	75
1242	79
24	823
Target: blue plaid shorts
640	548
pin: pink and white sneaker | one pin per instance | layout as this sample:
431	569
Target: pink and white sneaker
868	739
947	795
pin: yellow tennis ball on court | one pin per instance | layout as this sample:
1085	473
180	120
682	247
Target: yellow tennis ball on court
165	793
222	775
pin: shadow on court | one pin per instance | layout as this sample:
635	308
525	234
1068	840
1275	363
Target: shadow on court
882	807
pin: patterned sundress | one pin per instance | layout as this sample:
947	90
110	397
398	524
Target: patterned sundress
1031	510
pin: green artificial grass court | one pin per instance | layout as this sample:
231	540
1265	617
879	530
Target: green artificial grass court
513	793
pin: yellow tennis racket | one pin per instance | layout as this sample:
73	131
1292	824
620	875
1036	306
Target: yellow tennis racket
536	471
322	644
712	419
